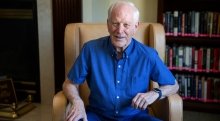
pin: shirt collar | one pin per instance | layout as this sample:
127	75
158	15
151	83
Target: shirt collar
126	52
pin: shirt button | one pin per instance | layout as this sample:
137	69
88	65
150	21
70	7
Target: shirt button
119	66
116	112
118	82
117	97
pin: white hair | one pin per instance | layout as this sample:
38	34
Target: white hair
123	2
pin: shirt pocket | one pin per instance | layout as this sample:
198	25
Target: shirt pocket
136	84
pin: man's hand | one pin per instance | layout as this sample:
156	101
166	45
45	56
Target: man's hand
76	111
142	100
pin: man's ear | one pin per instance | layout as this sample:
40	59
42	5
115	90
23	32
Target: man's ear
137	24
108	25
107	21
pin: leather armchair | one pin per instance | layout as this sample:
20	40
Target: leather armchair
152	34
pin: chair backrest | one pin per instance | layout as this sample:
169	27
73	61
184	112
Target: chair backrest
76	34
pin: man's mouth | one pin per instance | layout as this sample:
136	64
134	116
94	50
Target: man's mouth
119	37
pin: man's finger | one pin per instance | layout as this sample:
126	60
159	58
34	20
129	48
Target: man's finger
141	104
70	112
136	101
144	107
77	118
85	118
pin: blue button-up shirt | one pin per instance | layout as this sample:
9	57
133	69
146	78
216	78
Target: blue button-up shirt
115	82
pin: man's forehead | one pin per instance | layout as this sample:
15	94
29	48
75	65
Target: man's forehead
122	14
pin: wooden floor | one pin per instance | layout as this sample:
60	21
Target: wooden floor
44	113
40	113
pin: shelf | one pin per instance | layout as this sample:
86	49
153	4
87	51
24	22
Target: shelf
193	105
183	5
198	41
193	71
183	17
201	100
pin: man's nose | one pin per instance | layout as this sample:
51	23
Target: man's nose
121	28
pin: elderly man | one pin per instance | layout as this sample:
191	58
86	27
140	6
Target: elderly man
118	70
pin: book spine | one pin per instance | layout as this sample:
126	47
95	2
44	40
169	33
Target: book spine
216	59
218	28
168	23
215	22
204	88
212	60
200	59
171	58
216	88
192	23
197	24
199	88
210	88
167	56
208	59
210	23
189	23
180	23
188	86
185	86
195	59
204	58
175	23
174	55
180	56
183	24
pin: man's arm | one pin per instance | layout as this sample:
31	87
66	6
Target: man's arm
76	108
169	89
142	100
70	90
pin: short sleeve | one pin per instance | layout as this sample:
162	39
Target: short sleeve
79	70
160	73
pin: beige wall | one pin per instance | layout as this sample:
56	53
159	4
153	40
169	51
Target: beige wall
95	11
46	50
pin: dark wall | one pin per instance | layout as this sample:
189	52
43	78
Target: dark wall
64	12
19	46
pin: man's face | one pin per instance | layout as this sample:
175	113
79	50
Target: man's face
122	26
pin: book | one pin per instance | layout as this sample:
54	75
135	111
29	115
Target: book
216	59
199	91
183	17
217	88
210	88
195	59
197	24
218	26
175	23
186	57
200	59
210	23
204	88
208	59
180	56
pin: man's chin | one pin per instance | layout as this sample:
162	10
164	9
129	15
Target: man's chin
119	45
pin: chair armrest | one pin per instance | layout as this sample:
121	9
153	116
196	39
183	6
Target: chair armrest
59	106
169	108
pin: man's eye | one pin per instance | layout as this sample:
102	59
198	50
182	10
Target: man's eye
115	24
126	25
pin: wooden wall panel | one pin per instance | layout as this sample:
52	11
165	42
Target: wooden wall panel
64	12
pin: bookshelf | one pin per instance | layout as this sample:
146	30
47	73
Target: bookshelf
193	50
